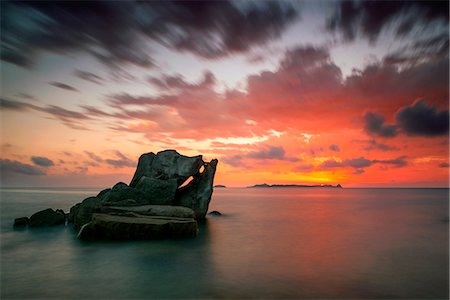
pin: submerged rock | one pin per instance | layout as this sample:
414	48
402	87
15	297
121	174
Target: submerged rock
197	193
137	227
46	217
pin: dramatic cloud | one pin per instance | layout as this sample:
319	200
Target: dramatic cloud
63	86
374	124
88	76
13	166
42	161
118	32
420	119
369	18
334	148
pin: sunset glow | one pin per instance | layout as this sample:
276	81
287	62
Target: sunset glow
287	93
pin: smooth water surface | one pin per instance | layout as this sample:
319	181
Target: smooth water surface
270	243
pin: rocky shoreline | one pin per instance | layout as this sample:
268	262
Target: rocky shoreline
160	202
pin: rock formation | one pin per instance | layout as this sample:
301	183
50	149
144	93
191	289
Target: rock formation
154	205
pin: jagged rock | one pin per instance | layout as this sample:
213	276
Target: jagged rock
160	192
154	210
137	227
83	213
197	193
46	217
19	222
167	164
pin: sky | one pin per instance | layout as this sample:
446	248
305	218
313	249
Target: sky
280	92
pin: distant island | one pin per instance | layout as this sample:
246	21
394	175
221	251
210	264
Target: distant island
265	185
220	186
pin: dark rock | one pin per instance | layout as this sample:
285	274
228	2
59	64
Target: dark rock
154	210
124	193
46	217
126	202
167	164
102	193
73	212
220	186
19	222
119	186
137	227
160	192
84	212
197	193
215	213
339	186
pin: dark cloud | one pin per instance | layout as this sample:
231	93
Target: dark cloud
444	165
418	51
369	18
272	152
63	86
94	157
374	124
26	96
303	168
334	148
42	161
13	105
118	32
177	82
121	161
374	145
13	166
361	162
398	162
266	153
88	76
421	119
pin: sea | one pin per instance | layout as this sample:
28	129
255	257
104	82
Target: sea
269	243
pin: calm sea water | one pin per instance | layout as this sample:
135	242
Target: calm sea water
270	243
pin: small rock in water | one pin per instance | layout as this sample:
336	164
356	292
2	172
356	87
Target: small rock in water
215	213
46	217
19	222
